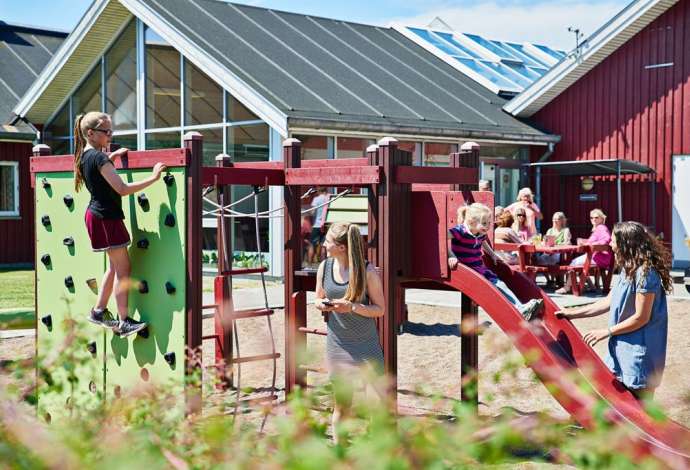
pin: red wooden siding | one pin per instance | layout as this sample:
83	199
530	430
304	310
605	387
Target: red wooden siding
17	234
622	110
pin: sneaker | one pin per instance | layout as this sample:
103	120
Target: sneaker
128	327
103	318
532	309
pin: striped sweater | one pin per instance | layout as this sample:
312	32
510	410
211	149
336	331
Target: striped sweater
467	248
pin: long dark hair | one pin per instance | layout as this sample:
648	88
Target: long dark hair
638	248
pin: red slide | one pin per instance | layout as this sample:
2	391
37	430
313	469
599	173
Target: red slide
572	371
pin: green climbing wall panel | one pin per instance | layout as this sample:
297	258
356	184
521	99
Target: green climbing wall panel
117	364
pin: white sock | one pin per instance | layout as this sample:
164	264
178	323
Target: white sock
98	310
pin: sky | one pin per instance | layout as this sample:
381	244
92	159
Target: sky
540	21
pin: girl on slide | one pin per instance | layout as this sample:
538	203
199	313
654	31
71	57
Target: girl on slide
468	238
104	217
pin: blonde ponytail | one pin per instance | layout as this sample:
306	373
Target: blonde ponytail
350	236
357	264
84	122
79	144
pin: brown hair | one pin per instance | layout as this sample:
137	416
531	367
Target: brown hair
505	219
349	235
638	248
82	124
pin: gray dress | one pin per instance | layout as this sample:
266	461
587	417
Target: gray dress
352	339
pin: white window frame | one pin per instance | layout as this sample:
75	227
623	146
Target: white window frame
15	212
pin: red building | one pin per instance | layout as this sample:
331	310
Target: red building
624	94
24	52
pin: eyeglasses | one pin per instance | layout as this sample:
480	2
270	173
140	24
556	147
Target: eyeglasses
107	132
520	215
594	217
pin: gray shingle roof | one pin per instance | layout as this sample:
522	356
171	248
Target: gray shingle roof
24	52
329	73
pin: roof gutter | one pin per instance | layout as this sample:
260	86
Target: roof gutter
297	124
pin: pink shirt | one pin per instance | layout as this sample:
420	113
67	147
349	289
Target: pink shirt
600	236
529	212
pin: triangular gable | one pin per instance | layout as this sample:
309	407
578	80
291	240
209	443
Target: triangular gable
594	50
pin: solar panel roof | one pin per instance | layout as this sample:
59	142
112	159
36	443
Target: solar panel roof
506	68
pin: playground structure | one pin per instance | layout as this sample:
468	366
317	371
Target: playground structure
410	210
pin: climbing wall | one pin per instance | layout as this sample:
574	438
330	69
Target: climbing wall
156	223
70	349
99	363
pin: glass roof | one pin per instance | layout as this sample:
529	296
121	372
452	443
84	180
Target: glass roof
503	67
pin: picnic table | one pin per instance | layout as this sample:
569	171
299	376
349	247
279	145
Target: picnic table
527	263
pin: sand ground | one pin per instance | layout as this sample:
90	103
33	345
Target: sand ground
429	363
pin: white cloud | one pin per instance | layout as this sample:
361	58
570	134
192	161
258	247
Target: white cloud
544	22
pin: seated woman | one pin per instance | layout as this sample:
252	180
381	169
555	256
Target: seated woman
560	234
505	234
600	236
520	225
525	201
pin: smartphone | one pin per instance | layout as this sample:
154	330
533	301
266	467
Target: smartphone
327	303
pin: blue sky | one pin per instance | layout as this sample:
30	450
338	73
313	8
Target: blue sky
543	21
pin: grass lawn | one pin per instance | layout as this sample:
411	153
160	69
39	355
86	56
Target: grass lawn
17	289
16	299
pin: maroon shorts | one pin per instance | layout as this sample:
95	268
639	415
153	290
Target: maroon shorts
106	233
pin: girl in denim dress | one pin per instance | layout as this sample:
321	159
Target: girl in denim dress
638	322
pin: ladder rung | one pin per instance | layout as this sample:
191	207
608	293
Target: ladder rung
209	337
240	271
312	331
251	313
320	370
210	306
260	357
257	400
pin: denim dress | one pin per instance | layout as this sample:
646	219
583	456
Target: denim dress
637	359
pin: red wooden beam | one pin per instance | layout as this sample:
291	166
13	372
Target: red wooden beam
338	162
333	176
133	160
276	165
435	175
242	176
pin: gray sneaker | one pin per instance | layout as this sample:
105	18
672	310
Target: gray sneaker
532	309
103	318
128	327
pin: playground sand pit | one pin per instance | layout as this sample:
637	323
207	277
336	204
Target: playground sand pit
429	365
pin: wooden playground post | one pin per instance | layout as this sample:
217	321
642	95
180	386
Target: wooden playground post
468	157
392	217
223	283
193	142
295	297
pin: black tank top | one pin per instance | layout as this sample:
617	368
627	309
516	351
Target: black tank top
105	202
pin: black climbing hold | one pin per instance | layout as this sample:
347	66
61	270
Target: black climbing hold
68	241
45	259
91	347
69	201
170	220
144	333
169	358
169	288
45	183
143	201
143	243
92	283
47	321
169	179
143	287
45	220
69	282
